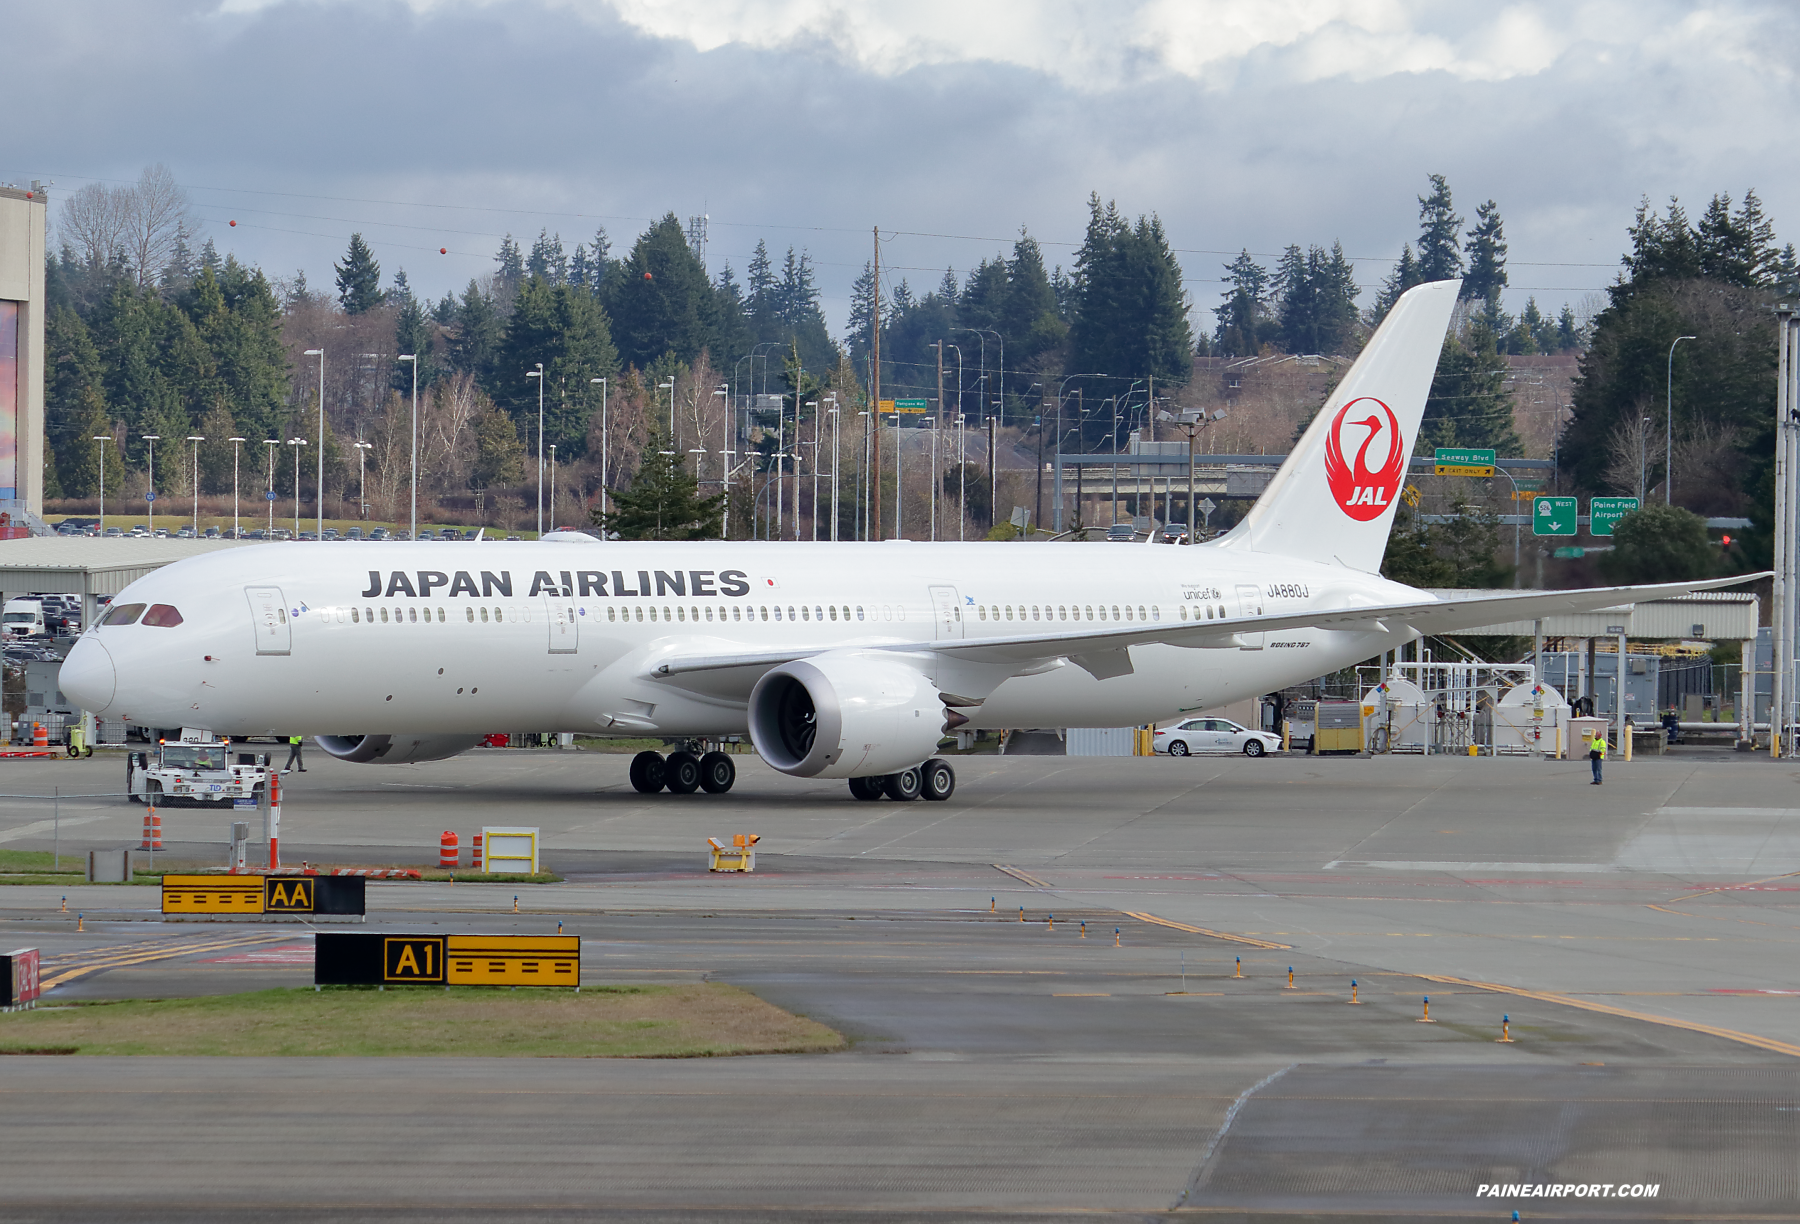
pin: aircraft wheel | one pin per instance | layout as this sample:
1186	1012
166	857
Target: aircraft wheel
937	781
683	773
717	773
649	773
865	788
902	787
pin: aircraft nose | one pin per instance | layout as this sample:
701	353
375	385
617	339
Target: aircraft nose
88	678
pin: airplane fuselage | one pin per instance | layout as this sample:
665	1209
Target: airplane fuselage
469	638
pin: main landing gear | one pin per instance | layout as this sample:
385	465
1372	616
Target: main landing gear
934	780
682	773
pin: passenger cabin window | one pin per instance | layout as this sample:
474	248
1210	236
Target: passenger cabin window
124	614
163	616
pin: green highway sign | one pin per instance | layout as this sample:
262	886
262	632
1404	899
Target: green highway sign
1570	554
1603	512
910	405
1553	516
1460	461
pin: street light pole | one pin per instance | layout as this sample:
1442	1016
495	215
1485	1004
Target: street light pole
539	375
1669	428
362	478
670	388
412	359
150	497
237	453
296	443
814	405
318	493
273	444
553	486
836	452
101	454
603	445
196	441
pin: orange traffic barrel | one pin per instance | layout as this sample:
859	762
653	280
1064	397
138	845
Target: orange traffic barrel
447	850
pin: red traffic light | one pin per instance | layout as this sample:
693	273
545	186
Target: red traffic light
1726	541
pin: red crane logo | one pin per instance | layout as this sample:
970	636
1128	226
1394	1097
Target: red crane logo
1361	492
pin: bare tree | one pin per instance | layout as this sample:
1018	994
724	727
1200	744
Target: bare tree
94	221
1628	452
159	216
143	223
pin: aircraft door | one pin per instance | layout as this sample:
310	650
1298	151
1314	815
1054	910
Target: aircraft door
1250	604
269	612
946	607
565	624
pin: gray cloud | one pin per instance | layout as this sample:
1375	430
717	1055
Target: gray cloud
451	124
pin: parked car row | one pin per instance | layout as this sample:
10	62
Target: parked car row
143	531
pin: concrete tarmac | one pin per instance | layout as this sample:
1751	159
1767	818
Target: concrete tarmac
1639	935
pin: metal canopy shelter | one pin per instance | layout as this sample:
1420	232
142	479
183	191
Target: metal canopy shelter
84	566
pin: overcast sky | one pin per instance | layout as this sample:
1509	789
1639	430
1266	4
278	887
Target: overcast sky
1243	123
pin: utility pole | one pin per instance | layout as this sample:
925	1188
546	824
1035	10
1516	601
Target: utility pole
939	425
875	397
993	473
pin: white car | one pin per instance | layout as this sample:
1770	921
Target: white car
1213	735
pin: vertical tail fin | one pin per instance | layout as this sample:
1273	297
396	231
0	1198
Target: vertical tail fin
1334	498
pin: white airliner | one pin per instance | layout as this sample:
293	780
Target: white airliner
840	660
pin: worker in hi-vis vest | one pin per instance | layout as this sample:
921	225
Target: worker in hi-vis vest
1596	754
294	757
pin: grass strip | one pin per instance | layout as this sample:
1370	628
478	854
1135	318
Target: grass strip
698	1020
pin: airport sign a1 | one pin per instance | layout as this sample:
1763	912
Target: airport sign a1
1553	516
1603	512
1461	461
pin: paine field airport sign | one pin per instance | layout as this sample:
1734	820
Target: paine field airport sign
1604	512
1460	461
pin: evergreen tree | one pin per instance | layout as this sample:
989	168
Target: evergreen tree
1568	336
728	328
663	502
1660	543
1130	317
476	333
1662	248
499	455
1737	248
412	334
509	274
1536	327
74	393
565	328
1440	256
547	259
1404	276
1029	318
1242	320
79	457
661	300
1468	405
1458	553
862	314
1294	302
1487	259
358	278
1316	296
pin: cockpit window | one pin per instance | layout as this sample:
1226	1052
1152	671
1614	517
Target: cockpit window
124	614
163	616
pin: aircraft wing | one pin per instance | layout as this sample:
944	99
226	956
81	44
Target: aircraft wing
1105	651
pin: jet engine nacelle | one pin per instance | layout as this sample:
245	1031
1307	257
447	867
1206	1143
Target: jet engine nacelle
845	716
395	749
